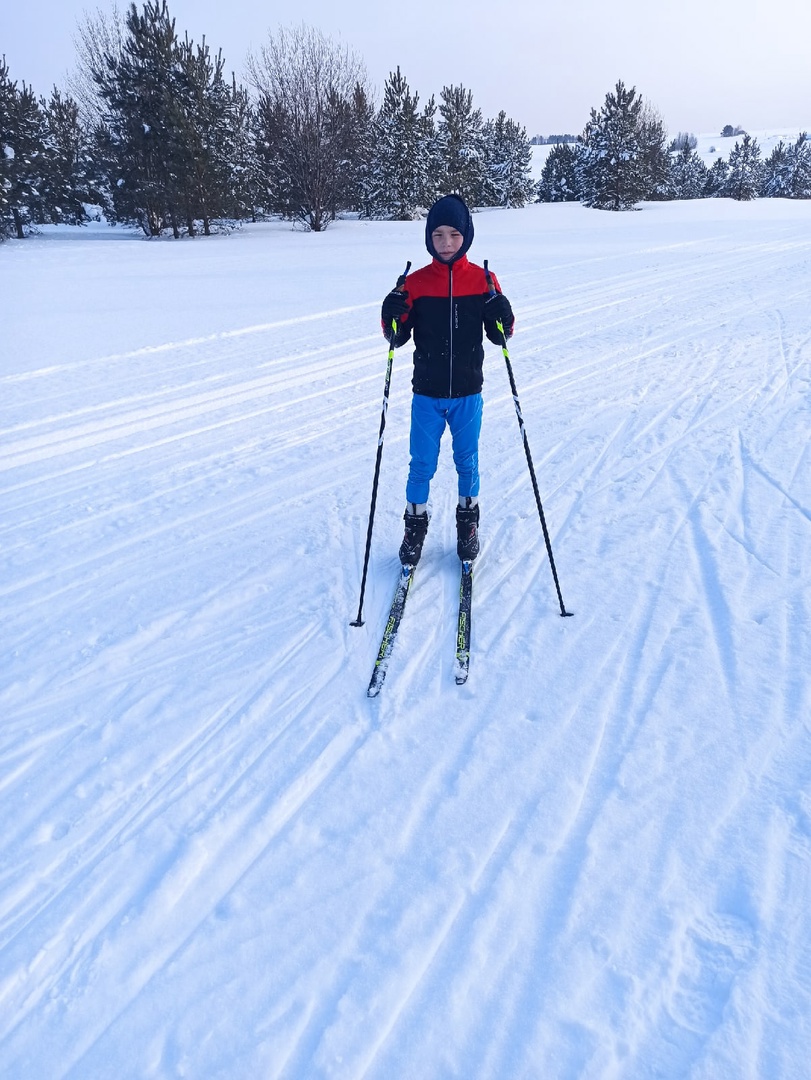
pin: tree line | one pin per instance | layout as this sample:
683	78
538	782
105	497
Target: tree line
623	157
153	132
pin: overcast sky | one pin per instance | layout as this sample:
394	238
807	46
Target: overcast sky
702	63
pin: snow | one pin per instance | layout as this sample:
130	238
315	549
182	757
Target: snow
220	859
710	146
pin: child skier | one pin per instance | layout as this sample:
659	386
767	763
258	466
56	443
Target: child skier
446	305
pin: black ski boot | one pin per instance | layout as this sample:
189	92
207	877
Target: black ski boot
467	532
416	526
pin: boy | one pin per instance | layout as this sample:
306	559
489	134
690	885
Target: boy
446	305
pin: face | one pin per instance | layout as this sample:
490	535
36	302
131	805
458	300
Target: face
446	241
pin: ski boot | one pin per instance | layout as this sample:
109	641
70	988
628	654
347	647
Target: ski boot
467	531
416	526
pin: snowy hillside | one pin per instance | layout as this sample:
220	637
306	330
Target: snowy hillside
710	145
219	858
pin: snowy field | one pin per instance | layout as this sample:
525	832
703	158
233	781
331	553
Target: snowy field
219	859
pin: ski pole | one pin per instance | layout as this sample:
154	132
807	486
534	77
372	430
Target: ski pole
506	352
390	360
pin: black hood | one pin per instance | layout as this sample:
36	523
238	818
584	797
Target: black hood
450	210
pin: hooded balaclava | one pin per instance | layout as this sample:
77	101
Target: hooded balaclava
449	210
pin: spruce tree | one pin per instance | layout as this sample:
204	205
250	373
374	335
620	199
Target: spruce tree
613	174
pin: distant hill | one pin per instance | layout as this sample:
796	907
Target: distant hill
710	146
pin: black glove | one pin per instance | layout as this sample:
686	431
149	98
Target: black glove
497	309
395	306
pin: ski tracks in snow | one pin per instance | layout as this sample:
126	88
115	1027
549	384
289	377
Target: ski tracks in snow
556	870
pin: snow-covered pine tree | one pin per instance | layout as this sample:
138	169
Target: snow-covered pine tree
716	179
353	150
69	169
775	182
397	182
23	157
460	163
653	153
613	174
201	117
507	163
138	137
787	170
559	177
745	170
688	174
238	151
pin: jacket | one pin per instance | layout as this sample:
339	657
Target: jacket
446	319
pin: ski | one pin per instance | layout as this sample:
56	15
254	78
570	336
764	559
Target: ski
390	633
463	625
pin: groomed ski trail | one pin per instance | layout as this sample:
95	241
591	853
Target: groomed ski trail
591	861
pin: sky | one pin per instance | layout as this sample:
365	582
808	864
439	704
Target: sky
701	63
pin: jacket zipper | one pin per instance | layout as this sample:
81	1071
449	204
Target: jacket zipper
450	338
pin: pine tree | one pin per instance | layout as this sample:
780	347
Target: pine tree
745	170
200	115
787	170
688	174
139	138
23	157
653	154
460	146
69	170
397	181
239	150
613	174
167	125
355	151
507	163
716	179
559	177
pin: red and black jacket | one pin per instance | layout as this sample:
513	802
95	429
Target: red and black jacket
446	318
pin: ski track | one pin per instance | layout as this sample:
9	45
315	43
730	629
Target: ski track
200	805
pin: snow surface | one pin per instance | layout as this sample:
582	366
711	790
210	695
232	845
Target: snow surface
219	859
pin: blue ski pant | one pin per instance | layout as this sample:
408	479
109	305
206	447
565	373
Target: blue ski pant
429	416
